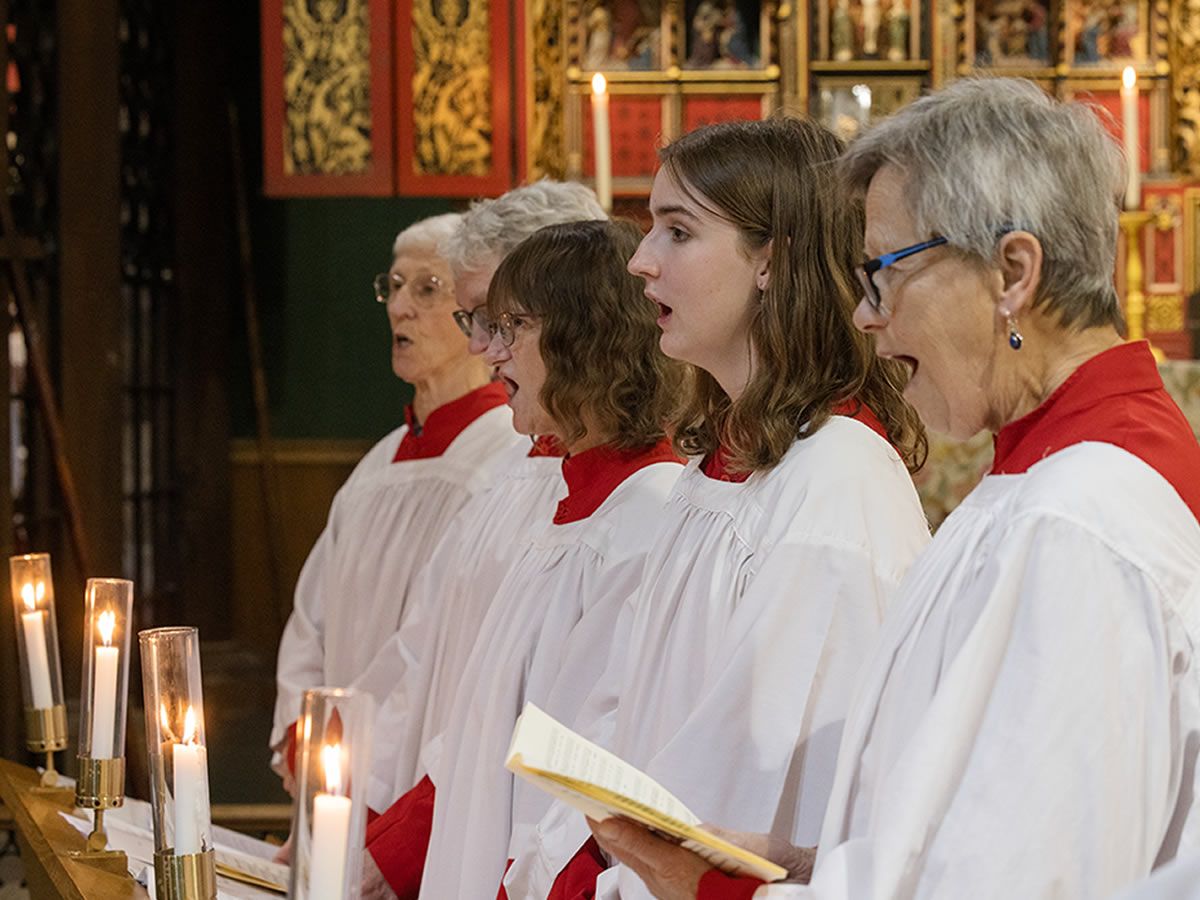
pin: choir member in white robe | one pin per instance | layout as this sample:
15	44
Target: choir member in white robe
389	515
414	676
765	593
1029	725
546	634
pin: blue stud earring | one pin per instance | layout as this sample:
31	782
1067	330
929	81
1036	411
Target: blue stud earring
1015	340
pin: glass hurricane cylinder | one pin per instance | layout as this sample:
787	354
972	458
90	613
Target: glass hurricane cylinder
184	862
107	615
37	649
329	820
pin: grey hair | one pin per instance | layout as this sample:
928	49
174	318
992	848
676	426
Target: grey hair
428	233
491	228
989	155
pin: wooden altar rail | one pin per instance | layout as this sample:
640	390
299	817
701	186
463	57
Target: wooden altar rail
46	840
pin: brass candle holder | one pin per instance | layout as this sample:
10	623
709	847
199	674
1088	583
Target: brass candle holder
184	861
192	876
37	648
1133	222
108	608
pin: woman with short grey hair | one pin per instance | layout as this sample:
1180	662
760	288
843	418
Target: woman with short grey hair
1029	725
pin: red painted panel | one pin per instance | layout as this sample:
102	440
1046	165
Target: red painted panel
277	182
636	134
707	109
1110	102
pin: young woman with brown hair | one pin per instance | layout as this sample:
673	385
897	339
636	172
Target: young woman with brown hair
790	529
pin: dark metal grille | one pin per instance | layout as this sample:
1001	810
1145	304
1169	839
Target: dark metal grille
31	139
151	501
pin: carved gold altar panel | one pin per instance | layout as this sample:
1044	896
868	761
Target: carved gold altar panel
327	100
454	126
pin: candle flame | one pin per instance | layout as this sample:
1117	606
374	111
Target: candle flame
1128	77
27	597
106	624
331	761
189	726
599	84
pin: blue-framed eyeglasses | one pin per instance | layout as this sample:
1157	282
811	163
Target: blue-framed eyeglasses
866	272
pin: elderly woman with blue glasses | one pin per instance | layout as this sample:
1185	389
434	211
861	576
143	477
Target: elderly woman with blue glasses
1030	721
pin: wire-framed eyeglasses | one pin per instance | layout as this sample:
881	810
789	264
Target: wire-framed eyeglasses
866	272
473	324
509	325
425	288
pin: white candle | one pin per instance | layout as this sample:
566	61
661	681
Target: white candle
1129	123
602	139
191	789
104	689
330	831
34	625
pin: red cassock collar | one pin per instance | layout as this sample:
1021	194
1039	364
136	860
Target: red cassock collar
1116	397
431	438
546	445
592	475
716	465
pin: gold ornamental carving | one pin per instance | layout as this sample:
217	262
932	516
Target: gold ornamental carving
547	150
1164	313
327	87
451	88
1185	31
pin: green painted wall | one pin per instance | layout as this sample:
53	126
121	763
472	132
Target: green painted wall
325	340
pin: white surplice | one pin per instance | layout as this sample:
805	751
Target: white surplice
415	675
1031	723
383	524
545	640
762	602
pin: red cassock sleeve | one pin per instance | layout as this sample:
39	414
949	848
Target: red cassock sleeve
716	885
578	880
399	839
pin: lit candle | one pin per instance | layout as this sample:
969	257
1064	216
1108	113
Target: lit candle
104	688
603	141
34	624
191	789
330	830
1129	123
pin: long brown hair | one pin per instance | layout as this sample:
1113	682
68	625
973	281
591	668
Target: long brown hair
599	339
776	182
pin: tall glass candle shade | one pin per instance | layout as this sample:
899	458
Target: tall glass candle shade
184	861
107	617
37	648
329	820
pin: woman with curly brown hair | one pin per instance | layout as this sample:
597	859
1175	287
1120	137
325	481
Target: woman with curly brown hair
791	528
576	348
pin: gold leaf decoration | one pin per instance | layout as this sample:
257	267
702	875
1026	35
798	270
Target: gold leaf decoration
1185	69
451	85
547	156
327	87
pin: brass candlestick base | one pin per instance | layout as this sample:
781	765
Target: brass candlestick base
101	783
192	876
45	732
114	861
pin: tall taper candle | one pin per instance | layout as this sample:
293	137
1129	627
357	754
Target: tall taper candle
1129	126
191	789
33	624
104	694
602	139
330	831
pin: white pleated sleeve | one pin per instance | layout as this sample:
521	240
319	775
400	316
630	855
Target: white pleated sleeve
383	524
416	673
1030	726
545	640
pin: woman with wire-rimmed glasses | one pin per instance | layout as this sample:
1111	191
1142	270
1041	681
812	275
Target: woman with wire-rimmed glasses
387	518
1029	726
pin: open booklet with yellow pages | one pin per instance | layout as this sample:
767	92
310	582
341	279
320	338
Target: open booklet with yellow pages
598	784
